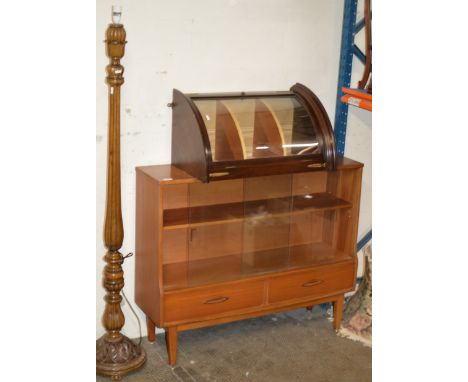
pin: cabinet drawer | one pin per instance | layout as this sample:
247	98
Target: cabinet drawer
208	302
312	283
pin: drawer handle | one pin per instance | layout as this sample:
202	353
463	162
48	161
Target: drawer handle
311	283
218	174
316	165
216	300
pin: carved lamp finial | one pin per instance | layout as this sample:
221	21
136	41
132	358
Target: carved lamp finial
115	50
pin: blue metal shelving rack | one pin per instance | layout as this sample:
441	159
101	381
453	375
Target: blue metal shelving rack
348	50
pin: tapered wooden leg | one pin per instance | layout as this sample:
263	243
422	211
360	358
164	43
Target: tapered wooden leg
338	312
151	328
171	344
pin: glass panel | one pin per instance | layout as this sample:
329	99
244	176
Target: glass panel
228	230
267	223
246	128
215	253
216	212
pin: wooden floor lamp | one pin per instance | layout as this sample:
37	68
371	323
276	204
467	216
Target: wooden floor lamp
116	354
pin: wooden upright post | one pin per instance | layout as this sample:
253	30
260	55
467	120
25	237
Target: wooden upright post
115	353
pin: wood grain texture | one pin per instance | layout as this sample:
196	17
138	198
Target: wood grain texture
328	280
338	312
321	121
268	138
171	344
248	211
209	270
191	149
148	257
215	269
180	306
261	264
215	240
175	196
205	194
305	132
116	354
368	64
257	312
151	330
306	228
167	174
175	245
266	166
267	187
343	163
309	183
229	144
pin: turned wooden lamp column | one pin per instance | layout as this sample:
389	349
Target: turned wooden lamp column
115	353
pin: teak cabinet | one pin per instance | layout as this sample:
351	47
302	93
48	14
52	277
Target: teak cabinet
256	214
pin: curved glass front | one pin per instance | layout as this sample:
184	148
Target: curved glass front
258	127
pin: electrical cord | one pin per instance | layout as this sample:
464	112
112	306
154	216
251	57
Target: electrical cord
130	305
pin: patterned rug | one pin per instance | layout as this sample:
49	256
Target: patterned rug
357	314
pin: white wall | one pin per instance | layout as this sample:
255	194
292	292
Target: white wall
207	45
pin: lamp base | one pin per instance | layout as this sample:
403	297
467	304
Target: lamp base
116	358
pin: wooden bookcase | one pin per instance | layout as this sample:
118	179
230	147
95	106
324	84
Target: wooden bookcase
255	215
205	255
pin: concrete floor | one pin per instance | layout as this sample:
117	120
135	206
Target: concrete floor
285	347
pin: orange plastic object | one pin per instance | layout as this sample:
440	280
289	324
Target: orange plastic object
358	98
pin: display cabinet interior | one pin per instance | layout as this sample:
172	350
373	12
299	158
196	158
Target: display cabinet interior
234	229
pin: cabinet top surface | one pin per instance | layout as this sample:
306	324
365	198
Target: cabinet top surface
170	174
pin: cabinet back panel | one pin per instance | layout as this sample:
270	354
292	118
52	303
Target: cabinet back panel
306	228
215	241
261	235
309	183
175	196
267	187
227	191
175	246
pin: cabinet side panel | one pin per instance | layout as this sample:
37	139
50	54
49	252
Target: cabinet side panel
191	150
147	247
342	234
355	200
330	233
348	189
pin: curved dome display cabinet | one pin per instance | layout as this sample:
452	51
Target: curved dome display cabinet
219	136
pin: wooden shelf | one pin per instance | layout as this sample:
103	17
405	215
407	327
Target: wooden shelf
251	210
268	139
229	143
235	267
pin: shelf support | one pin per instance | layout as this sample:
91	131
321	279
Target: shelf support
359	25
365	239
359	54
344	77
